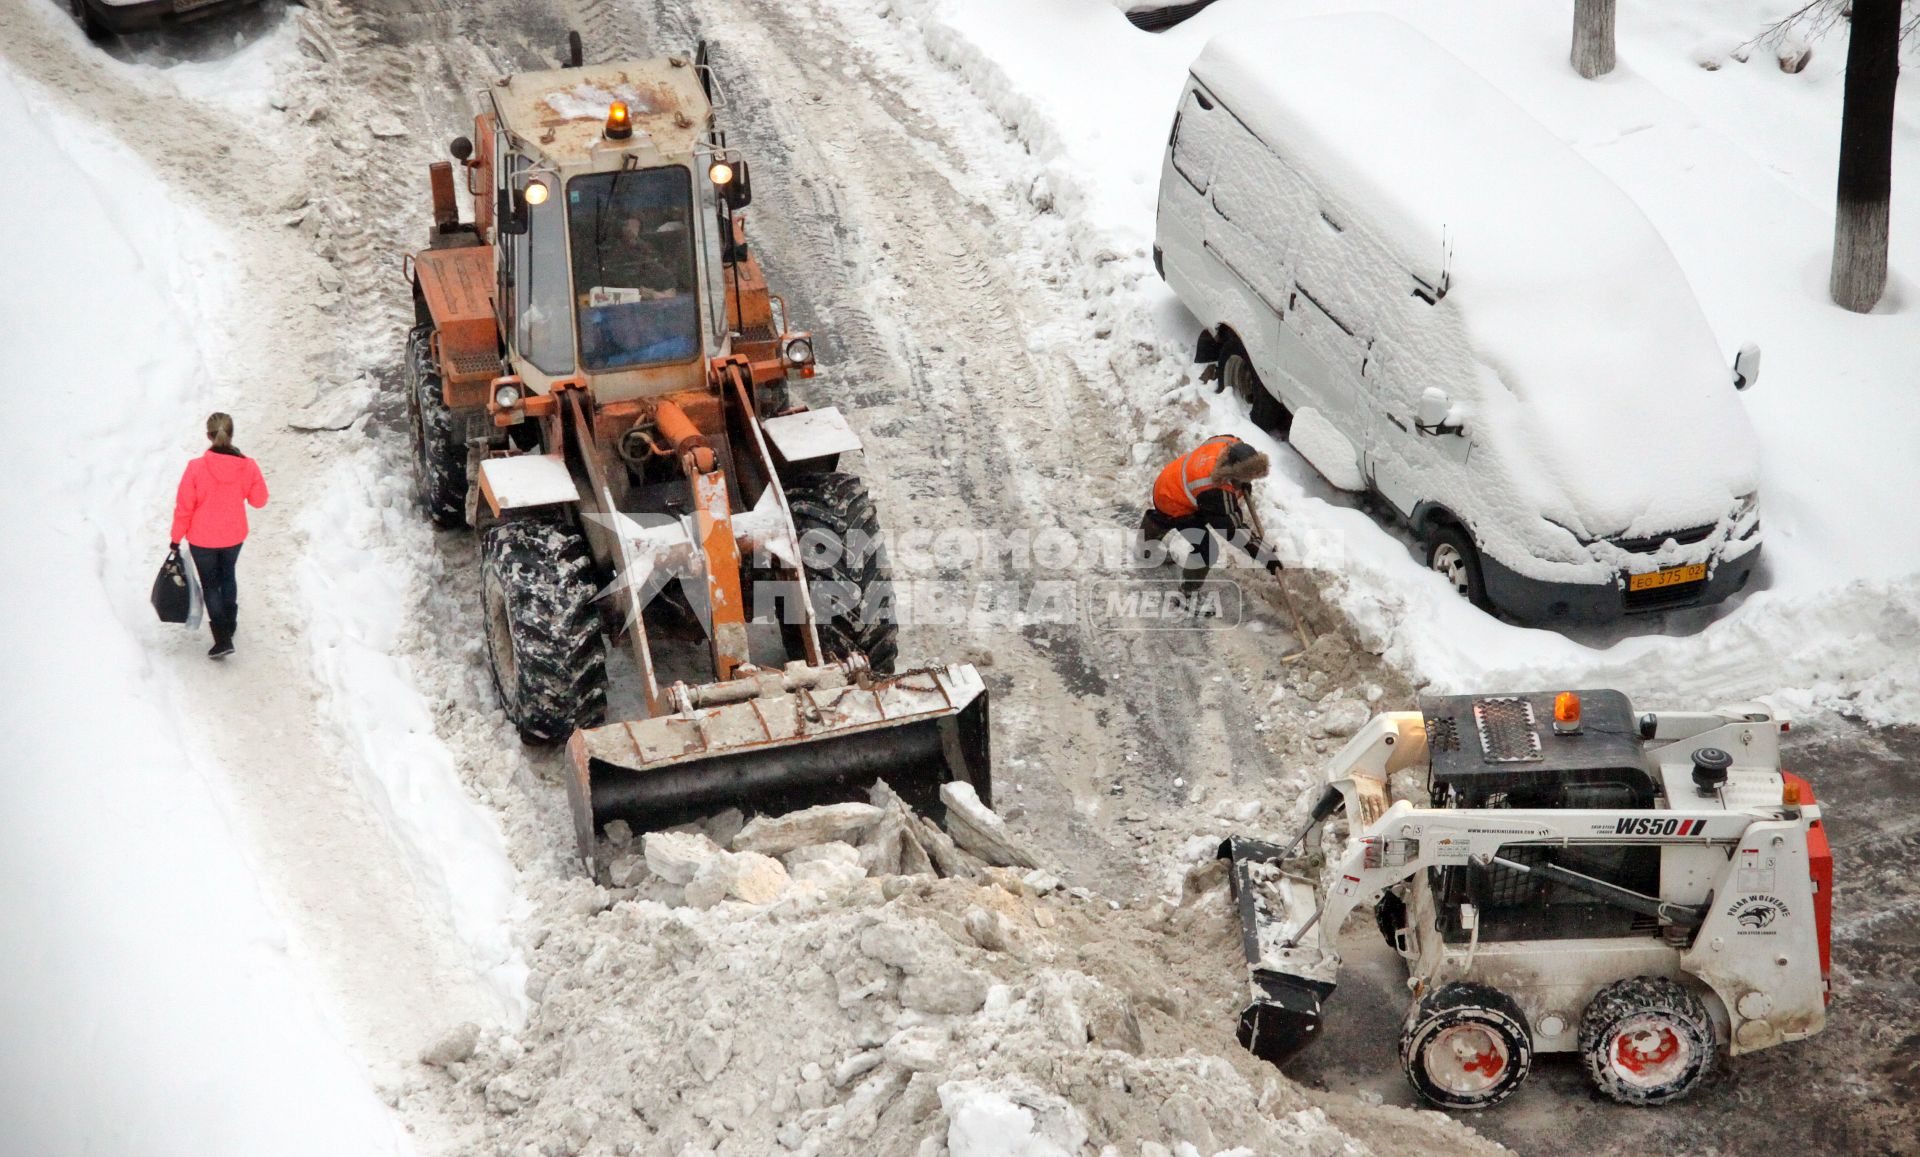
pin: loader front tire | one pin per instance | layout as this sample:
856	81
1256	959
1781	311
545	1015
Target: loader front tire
1467	1046
846	568
1646	1041
544	645
439	452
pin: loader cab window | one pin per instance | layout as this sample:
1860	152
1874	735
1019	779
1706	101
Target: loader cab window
634	281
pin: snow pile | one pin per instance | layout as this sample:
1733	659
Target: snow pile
149	1006
1733	166
887	1014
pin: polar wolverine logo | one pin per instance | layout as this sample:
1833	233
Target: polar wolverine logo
1757	916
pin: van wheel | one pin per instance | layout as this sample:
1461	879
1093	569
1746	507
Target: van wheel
1451	554
1238	374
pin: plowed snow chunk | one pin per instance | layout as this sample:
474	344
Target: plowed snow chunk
829	874
677	857
836	851
755	878
975	827
456	1046
829	823
951	991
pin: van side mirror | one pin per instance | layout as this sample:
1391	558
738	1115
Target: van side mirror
1746	366
1434	410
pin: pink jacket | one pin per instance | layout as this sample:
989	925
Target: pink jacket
210	509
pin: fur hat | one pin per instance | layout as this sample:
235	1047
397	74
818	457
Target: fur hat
1241	463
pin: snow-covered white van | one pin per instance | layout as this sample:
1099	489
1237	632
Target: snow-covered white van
1439	302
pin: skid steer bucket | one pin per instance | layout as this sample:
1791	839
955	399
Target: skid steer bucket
1289	973
778	744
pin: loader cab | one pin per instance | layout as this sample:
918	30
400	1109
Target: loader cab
609	235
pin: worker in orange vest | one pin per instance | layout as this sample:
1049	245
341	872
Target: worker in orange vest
1195	495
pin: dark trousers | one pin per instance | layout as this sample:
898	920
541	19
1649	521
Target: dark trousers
217	586
1197	530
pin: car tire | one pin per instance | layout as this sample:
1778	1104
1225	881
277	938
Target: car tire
1237	374
1647	1041
1467	1046
90	23
1451	554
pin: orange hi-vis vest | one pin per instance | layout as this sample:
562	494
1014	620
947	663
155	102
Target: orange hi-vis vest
1189	476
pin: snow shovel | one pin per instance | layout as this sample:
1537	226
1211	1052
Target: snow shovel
783	740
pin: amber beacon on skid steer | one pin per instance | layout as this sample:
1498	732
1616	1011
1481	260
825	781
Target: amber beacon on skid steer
599	386
1559	875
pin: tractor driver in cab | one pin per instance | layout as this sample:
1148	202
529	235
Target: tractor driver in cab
633	266
1198	495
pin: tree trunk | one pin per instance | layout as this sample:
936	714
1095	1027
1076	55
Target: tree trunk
1593	37
1866	156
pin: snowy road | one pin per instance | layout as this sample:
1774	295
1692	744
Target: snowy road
396	823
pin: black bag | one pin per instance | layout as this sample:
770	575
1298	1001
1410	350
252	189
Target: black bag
172	599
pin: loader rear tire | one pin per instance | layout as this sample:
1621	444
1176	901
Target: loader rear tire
1467	1046
439	452
1646	1041
1390	914
544	644
846	568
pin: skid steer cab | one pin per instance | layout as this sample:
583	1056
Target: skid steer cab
600	386
1559	874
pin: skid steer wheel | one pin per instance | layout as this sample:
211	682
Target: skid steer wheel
846	568
1237	374
439	454
1647	1041
1466	1047
1451	554
543	630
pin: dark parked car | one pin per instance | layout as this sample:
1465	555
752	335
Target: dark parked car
103	18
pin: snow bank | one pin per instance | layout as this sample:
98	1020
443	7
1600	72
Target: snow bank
357	600
1734	167
150	1006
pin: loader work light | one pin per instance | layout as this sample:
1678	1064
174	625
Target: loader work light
619	123
721	173
507	396
536	192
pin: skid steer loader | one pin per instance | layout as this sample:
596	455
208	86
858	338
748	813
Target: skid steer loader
599	385
1559	875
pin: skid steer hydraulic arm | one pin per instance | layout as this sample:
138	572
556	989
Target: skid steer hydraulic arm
1685	915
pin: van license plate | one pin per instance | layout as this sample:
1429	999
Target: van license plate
1673	576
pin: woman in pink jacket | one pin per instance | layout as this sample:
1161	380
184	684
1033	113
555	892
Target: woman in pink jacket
210	513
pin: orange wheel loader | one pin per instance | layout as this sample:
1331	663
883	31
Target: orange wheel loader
599	381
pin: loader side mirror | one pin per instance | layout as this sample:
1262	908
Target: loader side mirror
460	148
511	217
1746	366
739	191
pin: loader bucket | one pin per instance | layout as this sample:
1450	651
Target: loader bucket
778	752
1289	974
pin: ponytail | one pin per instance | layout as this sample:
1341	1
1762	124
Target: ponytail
220	434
